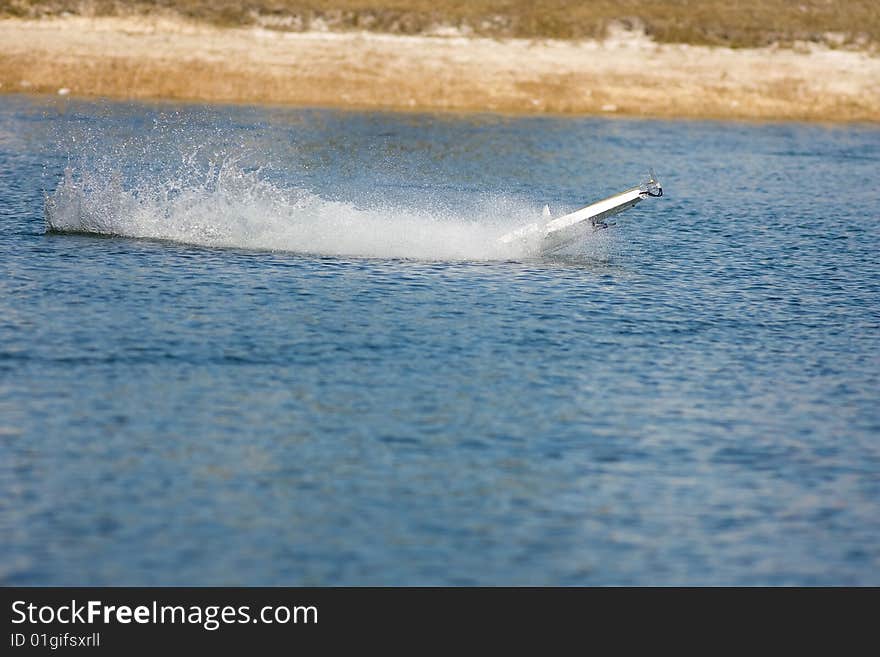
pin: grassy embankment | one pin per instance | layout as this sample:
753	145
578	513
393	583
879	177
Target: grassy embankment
539	56
745	23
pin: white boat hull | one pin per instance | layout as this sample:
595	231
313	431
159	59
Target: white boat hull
556	234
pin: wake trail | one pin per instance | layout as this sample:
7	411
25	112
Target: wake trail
225	205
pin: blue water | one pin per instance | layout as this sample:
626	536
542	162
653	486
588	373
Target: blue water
303	359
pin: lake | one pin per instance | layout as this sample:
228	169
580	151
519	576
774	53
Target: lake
280	346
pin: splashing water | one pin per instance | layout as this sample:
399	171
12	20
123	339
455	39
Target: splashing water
228	205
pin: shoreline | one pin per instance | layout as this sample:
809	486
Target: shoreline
626	74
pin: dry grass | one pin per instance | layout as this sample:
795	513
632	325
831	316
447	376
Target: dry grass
746	23
135	58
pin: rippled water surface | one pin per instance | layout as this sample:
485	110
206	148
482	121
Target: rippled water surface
276	346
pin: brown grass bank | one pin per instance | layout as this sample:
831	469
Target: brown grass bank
625	73
742	23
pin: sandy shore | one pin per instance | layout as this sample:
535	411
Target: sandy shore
625	74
